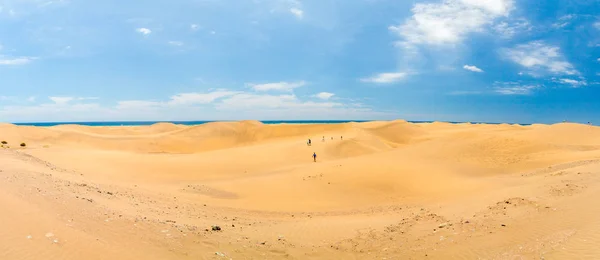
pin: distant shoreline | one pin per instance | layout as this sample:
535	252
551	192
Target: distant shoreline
189	123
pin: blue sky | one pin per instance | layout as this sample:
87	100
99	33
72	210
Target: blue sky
452	60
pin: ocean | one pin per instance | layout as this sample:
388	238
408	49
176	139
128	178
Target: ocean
142	123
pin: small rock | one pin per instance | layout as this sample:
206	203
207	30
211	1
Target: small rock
216	228
220	254
443	225
503	225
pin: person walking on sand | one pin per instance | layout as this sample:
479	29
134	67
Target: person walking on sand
314	157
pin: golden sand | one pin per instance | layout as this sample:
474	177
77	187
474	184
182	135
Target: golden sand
386	190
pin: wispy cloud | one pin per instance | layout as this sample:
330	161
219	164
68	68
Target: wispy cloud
385	78
508	30
175	43
63	100
540	57
472	68
194	27
574	83
514	88
563	21
277	86
265	101
200	98
16	61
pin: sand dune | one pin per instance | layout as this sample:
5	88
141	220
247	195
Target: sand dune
393	190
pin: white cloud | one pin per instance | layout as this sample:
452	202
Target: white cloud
144	31
182	99
573	83
597	25
472	68
512	88
450	21
63	100
539	56
244	101
598	59
278	86
194	27
563	21
220	104
384	78
297	12
199	98
16	61
31	99
324	95
176	43
508	30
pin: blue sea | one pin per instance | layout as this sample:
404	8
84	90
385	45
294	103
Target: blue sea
142	123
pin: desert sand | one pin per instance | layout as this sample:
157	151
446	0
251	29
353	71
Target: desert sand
387	190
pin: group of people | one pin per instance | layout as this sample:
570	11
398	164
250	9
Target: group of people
309	143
